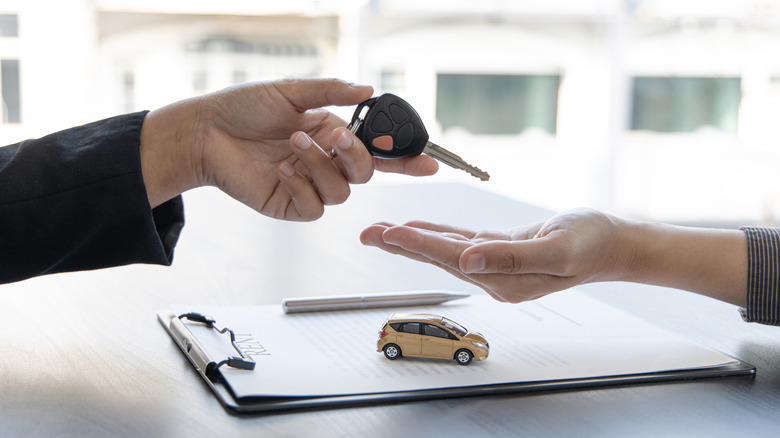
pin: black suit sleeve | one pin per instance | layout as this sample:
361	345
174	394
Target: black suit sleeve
76	200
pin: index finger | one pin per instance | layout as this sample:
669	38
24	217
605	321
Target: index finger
436	247
354	161
317	93
442	228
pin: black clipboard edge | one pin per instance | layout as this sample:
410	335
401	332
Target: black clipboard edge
266	405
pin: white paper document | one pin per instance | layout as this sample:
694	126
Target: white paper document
562	336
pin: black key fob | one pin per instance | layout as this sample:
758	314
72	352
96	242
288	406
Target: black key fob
389	127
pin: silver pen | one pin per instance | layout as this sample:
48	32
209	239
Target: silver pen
357	302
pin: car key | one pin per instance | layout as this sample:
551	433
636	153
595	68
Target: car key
390	128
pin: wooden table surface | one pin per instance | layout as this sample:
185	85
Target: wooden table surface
83	355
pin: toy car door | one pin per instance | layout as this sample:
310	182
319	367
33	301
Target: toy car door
409	338
436	342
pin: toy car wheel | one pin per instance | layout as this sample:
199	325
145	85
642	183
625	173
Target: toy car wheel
392	351
463	357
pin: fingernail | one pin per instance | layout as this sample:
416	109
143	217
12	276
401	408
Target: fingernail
388	237
344	141
302	141
475	263
287	169
356	85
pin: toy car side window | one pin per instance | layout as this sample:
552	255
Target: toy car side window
411	327
432	330
396	326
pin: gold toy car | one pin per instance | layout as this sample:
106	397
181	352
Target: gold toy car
430	336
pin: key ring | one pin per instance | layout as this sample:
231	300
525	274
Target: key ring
333	153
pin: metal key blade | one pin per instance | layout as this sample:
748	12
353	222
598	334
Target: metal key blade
453	160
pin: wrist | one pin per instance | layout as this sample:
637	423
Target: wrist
170	151
711	262
620	249
641	248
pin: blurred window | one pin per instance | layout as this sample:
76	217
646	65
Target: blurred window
9	91
497	104
684	104
9	25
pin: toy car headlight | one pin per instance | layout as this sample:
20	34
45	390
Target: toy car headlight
479	344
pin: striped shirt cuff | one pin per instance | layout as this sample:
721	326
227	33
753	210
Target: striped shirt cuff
763	288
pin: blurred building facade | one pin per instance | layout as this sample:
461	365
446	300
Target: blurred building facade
657	109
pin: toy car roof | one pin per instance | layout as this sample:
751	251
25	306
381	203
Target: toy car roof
424	317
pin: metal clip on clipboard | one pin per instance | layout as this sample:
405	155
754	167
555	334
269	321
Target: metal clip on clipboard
196	351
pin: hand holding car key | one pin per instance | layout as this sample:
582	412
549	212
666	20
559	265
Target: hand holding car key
391	128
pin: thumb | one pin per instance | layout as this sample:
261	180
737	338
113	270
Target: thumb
534	256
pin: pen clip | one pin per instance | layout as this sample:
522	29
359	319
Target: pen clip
242	362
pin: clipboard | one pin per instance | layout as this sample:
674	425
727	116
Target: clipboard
217	369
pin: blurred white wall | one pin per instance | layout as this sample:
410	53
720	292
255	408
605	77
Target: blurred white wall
85	59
